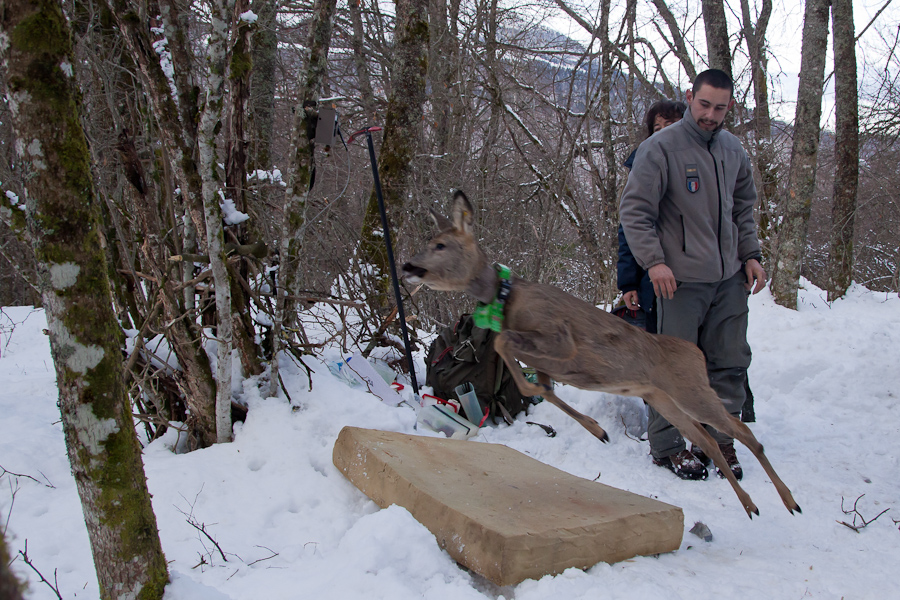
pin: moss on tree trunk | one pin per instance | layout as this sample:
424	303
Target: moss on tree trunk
797	202
85	338
401	136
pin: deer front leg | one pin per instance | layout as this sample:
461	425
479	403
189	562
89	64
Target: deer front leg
507	344
739	431
696	433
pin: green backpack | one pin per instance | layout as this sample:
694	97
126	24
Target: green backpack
465	353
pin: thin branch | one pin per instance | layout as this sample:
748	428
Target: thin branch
55	588
48	484
201	527
274	554
877	14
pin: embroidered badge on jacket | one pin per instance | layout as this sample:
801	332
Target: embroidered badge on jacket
692	178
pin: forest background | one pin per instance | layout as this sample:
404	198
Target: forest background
161	178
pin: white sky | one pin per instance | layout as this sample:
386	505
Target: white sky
785	33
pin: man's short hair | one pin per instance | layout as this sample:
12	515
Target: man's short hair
715	78
667	109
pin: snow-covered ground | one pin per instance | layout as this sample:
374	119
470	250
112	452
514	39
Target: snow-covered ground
290	525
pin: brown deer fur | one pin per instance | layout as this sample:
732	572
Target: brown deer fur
572	342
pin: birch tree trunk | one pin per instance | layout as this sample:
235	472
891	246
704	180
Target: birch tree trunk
210	122
846	145
85	338
802	177
301	171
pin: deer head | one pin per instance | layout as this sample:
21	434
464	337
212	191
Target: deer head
452	261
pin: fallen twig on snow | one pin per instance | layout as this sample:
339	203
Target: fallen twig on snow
201	527
856	514
274	554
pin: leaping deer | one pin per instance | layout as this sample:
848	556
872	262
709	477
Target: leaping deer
572	342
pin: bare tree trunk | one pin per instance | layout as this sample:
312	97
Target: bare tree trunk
302	169
176	25
262	84
177	30
176	136
755	38
401	133
240	62
802	178
357	44
634	131
609	192
717	48
210	122
764	152
441	55
846	146
85	338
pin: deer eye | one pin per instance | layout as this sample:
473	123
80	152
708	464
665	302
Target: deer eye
439	246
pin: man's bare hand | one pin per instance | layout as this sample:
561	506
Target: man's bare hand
631	300
756	275
664	281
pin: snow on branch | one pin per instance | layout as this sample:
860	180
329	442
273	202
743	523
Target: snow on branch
525	129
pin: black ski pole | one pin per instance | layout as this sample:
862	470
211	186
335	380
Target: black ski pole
390	254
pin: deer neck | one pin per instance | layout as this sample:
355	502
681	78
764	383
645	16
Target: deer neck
484	286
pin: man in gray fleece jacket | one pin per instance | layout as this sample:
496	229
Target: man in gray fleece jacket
687	212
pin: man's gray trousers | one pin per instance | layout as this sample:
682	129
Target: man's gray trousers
713	316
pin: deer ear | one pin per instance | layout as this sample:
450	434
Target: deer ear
463	213
440	221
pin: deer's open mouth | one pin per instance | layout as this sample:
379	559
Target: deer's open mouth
412	273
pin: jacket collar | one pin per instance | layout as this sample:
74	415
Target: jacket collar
701	135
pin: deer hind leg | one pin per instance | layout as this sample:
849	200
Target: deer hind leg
739	431
507	344
693	430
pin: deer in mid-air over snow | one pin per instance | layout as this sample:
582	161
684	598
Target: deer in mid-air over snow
570	341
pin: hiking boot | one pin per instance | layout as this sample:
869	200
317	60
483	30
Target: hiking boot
684	464
730	457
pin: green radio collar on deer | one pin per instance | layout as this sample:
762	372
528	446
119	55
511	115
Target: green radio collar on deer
490	316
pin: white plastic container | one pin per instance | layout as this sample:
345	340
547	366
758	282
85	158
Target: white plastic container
443	420
469	401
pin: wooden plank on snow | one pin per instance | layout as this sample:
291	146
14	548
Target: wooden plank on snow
501	513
